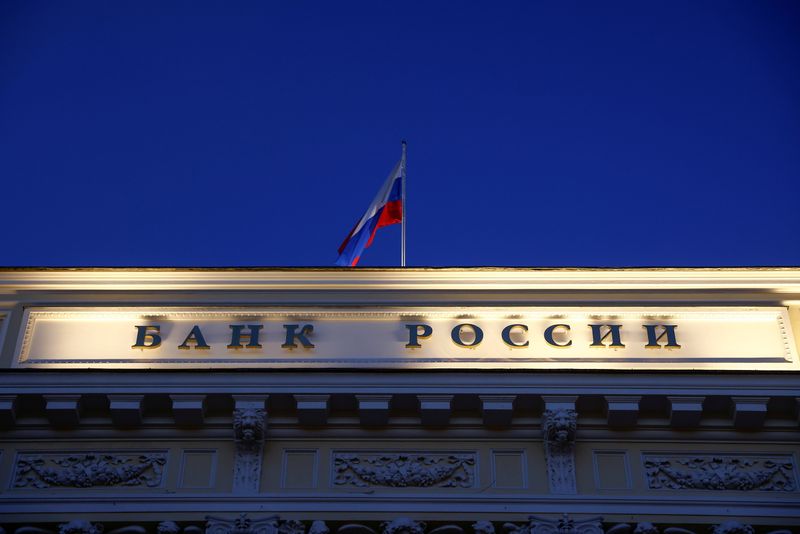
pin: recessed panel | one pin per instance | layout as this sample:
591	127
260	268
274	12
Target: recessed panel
198	469
611	470
299	469
509	469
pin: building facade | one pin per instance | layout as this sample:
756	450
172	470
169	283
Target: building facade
388	401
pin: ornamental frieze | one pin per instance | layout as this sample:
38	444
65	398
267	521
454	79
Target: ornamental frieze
89	469
720	472
564	525
243	524
404	469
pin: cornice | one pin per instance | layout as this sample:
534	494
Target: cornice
769	280
366	382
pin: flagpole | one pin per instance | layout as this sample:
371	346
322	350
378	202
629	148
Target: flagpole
403	226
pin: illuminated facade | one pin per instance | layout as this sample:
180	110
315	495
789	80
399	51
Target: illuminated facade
388	401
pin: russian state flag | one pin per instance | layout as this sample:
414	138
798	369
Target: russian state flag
386	209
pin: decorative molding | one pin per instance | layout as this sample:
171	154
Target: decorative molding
732	527
563	525
248	430
483	527
291	526
768	280
403	525
363	504
355	528
415	469
720	472
641	528
447	529
558	428
242	525
89	469
79	526
168	527
245	525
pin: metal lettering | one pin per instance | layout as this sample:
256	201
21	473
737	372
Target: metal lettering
548	335
456	335
653	340
415	332
145	333
292	335
196	337
613	330
252	336
506	335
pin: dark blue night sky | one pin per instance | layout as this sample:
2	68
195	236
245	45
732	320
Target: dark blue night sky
539	133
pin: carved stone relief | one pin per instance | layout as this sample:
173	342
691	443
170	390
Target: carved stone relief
564	525
400	525
92	469
168	527
558	429
732	527
291	526
712	472
404	469
318	527
248	431
728	527
403	525
79	526
242	525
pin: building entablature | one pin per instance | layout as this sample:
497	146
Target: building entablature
399	401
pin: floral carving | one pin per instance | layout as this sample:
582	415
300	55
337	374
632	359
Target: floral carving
88	470
318	527
168	527
563	525
79	526
720	473
732	527
401	470
403	525
242	525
